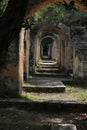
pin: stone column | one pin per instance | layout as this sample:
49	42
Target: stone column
37	50
27	45
21	57
65	62
62	54
58	52
41	51
55	51
11	75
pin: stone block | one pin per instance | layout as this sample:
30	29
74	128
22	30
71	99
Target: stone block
63	127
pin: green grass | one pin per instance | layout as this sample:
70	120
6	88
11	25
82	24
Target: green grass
39	62
28	85
31	96
80	92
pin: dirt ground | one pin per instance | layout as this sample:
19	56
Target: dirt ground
15	119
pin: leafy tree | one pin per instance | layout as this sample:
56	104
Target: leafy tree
3	5
62	12
51	13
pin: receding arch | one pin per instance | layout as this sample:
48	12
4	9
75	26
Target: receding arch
53	28
46	45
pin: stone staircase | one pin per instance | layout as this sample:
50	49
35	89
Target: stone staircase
49	68
53	87
51	91
43	80
44	85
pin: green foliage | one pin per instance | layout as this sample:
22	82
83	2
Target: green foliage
31	96
53	12
27	85
61	12
3	5
80	92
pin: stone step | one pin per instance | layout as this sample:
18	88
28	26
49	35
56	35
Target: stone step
45	106
48	61
50	67
57	126
48	70
48	64
61	74
46	87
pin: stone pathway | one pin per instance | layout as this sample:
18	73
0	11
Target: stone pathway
49	68
19	119
45	85
49	88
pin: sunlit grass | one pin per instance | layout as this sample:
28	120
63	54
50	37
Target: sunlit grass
31	96
28	85
79	92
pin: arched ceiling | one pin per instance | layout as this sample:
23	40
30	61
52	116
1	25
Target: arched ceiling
53	29
42	3
50	36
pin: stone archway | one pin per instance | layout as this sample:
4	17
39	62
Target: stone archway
40	4
58	35
11	65
46	48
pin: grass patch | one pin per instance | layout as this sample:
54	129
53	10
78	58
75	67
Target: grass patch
28	85
31	96
39	62
79	92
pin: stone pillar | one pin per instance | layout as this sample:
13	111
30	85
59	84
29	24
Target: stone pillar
38	53
73	60
21	57
58	52
11	75
27	45
69	57
63	55
41	51
53	51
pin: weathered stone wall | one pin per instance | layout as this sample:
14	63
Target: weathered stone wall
79	43
10	26
80	63
9	74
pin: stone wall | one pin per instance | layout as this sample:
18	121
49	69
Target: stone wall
80	63
9	74
79	43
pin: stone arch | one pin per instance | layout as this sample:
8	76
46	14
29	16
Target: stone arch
41	4
53	28
46	47
57	44
61	47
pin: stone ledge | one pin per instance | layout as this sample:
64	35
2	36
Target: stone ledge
48	89
47	106
63	127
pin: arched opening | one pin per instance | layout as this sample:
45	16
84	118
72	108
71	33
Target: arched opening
46	49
